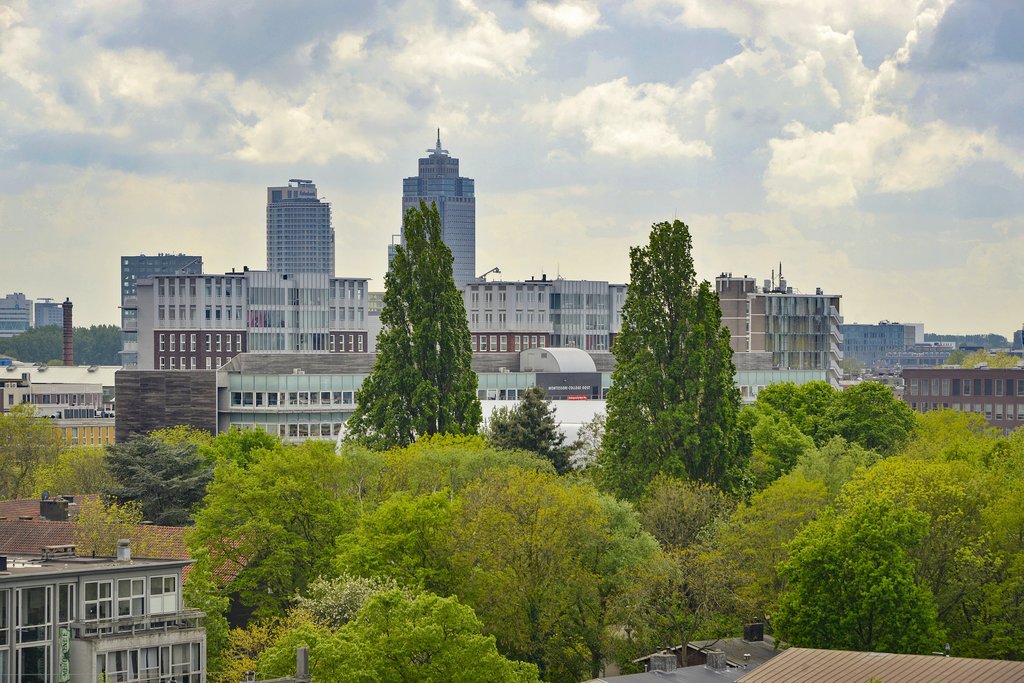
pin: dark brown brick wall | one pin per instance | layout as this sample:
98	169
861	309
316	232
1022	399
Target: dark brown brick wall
156	399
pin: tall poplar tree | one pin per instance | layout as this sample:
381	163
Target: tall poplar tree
423	381
673	403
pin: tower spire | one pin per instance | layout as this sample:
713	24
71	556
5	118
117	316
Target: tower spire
438	139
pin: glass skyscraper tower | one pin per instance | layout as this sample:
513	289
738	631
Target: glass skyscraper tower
300	238
439	182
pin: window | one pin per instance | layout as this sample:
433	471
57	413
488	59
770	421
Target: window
913	387
131	597
967	387
208	342
99	600
174	339
33	616
33	664
999	387
163	594
66	605
192	342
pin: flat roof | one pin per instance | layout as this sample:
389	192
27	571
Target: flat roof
29	567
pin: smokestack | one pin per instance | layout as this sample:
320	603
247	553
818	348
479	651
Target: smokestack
69	342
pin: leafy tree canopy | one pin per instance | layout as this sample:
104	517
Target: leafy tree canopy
29	447
673	404
95	345
530	426
76	470
422	382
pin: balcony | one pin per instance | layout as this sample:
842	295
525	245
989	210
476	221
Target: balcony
185	620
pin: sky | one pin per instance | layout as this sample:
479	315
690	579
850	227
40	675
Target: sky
874	148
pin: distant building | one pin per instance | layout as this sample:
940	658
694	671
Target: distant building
133	269
438	182
48	312
871	344
15	314
996	393
801	331
199	322
300	238
924	354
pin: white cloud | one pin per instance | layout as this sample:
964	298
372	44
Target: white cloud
618	119
574	18
138	76
348	47
483	47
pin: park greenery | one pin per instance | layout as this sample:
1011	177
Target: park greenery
94	345
423	550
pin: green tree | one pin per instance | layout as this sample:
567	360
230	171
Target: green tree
76	470
678	512
167	480
870	415
201	591
778	444
95	345
28	446
398	638
673	404
423	381
333	602
835	463
530	426
852	584
804	405
100	524
274	525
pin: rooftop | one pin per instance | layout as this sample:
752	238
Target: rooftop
60	374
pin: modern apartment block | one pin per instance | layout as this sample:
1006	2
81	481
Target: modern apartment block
47	312
65	618
15	314
511	316
996	393
300	238
801	331
872	344
438	182
133	269
199	322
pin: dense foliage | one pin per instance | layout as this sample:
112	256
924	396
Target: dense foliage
531	426
95	345
673	403
422	382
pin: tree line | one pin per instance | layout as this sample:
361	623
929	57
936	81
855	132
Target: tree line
94	345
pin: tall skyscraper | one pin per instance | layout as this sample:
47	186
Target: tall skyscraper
133	269
300	238
439	182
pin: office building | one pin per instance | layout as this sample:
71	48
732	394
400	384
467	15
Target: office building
199	322
300	238
15	314
67	618
48	312
439	182
871	344
996	393
133	269
801	331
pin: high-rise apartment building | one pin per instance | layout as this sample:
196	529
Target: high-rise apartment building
439	182
133	269
300	238
48	312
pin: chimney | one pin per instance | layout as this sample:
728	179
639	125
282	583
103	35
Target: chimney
662	661
53	509
302	665
753	633
716	660
124	550
69	342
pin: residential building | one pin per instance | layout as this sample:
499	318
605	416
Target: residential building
801	331
68	618
871	344
199	322
300	238
15	314
133	269
996	393
79	400
923	354
48	312
438	182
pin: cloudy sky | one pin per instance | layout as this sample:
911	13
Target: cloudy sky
875	147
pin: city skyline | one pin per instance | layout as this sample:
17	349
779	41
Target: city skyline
875	150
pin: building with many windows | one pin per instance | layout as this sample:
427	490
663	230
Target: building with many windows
995	393
199	322
65	618
48	312
876	345
133	269
300	238
438	182
15	314
801	331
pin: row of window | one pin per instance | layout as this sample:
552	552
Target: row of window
991	411
213	286
181	663
191	362
222	340
992	386
261	399
494	342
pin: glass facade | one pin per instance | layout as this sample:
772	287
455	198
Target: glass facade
300	238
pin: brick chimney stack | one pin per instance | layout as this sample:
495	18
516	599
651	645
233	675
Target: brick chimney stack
69	342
